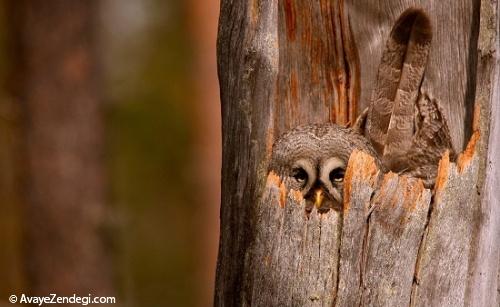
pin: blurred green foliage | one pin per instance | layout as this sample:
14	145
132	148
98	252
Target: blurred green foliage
150	139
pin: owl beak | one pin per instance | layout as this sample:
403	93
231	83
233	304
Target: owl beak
318	197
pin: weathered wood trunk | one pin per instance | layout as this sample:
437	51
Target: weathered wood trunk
289	62
57	86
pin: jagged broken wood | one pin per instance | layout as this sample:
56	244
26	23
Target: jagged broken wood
393	245
283	63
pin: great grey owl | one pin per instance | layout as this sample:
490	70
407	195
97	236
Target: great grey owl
403	129
312	159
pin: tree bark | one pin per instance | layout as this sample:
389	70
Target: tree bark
395	243
56	78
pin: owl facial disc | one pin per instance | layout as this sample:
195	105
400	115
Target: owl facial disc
312	159
326	191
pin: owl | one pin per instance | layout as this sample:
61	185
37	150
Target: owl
312	160
403	128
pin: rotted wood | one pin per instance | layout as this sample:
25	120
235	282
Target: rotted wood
390	229
292	246
387	248
280	64
395	243
447	250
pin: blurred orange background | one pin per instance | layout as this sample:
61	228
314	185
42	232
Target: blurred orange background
162	153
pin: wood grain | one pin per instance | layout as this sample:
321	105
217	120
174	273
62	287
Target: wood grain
450	74
293	260
394	243
318	71
358	190
396	227
485	279
447	251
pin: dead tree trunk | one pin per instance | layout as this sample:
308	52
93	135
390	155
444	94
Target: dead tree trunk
395	243
56	83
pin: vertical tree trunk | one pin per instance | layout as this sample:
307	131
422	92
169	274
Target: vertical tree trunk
288	62
56	81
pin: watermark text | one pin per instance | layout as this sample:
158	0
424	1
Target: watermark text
56	299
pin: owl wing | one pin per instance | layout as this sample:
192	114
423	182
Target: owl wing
428	144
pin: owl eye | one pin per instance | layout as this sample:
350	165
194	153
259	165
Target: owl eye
300	175
337	175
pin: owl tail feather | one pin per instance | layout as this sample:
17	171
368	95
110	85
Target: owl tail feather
390	124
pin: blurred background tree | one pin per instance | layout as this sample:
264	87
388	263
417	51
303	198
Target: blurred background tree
162	151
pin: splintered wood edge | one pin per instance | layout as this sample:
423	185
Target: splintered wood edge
360	168
413	192
419	189
273	180
442	173
463	161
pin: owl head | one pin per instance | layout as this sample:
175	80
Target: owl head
312	159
